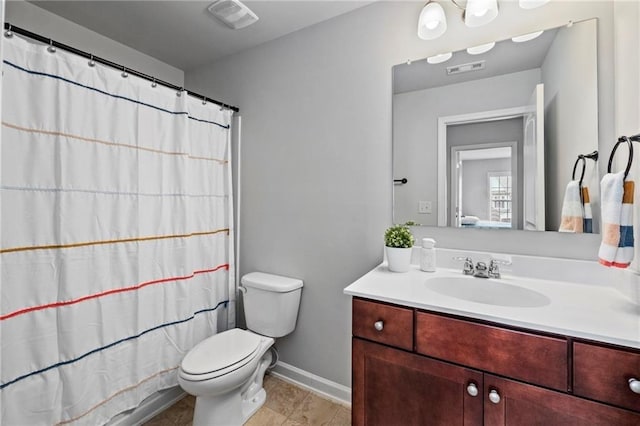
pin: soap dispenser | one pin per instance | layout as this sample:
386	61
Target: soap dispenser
428	255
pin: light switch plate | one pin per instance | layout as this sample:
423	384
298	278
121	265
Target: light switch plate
424	207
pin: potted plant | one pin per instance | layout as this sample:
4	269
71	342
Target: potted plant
398	242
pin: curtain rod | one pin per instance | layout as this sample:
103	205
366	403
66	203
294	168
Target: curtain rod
38	37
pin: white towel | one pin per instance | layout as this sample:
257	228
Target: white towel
587	214
617	244
572	211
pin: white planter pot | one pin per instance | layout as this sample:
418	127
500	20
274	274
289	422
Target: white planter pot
398	259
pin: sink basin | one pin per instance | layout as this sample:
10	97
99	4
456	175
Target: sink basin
487	291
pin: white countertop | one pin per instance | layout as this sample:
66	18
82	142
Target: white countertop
591	311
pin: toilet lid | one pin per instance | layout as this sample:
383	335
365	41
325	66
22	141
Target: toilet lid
220	351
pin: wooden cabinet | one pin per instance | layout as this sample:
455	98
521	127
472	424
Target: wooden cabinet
516	403
529	357
607	374
383	323
425	368
394	387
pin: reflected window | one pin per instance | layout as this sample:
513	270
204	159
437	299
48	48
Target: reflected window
500	197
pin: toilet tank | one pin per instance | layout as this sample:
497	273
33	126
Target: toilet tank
271	303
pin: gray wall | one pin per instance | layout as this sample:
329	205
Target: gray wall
475	185
316	155
570	64
415	132
30	17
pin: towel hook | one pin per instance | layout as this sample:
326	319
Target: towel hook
622	139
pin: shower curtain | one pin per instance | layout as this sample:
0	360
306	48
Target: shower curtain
116	239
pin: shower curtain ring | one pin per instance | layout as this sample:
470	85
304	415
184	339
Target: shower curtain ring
8	33
204	100
51	48
179	92
124	74
153	83
92	63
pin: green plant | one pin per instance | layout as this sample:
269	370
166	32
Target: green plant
398	236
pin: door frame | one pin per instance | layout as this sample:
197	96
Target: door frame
455	176
443	123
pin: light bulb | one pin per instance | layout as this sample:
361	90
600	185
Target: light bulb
437	59
477	50
479	13
526	37
432	25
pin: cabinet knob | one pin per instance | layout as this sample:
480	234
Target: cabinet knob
472	389
634	385
378	325
494	396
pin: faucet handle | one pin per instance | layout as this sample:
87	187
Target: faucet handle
494	270
467	268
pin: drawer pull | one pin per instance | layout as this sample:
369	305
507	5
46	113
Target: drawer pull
472	389
494	396
378	325
634	385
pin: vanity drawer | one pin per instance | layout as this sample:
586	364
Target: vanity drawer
523	356
388	324
603	374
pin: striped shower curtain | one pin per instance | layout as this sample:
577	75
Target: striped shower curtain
116	236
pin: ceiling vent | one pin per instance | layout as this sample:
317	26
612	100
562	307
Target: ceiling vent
471	66
232	13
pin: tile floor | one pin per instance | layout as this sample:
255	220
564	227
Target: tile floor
286	405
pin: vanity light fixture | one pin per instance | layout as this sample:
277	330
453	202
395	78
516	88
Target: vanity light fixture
432	22
480	12
438	59
532	4
526	37
483	48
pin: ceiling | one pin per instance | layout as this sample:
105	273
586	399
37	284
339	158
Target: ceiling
183	34
505	58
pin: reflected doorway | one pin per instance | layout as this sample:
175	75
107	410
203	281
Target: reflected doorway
484	182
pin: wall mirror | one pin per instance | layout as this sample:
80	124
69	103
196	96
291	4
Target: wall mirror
489	137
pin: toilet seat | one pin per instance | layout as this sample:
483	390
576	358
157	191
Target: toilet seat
220	354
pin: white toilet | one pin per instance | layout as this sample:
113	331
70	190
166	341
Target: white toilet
225	371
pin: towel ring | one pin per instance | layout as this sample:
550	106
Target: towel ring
592	156
622	139
584	167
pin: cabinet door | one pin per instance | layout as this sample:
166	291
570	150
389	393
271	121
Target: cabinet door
518	404
605	374
392	387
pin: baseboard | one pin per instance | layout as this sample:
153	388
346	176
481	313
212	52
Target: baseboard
316	384
149	408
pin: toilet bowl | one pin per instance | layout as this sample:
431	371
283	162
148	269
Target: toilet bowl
225	371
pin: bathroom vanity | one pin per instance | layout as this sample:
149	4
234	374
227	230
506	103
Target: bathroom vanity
425	356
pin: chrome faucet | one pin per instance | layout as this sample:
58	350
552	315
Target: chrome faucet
481	270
